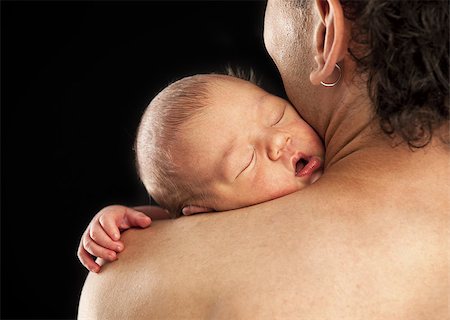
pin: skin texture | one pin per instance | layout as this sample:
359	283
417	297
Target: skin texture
246	139
369	240
102	236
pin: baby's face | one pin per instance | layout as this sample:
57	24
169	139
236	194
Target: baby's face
247	147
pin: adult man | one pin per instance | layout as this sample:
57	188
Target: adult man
368	240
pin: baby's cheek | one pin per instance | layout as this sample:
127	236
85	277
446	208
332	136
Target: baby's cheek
283	191
269	189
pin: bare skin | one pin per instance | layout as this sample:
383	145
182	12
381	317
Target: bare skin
296	257
369	240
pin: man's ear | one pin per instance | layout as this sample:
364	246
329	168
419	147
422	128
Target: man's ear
331	40
188	210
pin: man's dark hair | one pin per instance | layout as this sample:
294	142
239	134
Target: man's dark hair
403	48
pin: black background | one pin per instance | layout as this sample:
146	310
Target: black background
75	79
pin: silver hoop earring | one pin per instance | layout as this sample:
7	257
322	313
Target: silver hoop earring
337	81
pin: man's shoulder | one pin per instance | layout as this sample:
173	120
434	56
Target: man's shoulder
297	257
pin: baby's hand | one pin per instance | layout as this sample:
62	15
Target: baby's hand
101	238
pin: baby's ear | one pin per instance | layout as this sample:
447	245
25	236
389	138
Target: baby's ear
188	210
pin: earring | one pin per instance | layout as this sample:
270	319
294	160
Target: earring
337	81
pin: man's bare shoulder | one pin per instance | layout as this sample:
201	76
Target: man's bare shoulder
298	256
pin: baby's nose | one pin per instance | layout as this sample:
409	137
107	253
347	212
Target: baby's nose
278	143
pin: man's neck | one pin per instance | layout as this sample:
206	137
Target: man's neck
356	146
370	156
351	131
350	127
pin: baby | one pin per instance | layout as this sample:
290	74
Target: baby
211	143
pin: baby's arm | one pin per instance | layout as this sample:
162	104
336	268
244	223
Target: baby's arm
101	237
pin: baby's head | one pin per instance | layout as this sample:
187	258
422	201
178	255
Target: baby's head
215	142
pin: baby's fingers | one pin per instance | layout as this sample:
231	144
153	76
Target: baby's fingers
86	260
90	246
134	218
103	239
110	226
129	218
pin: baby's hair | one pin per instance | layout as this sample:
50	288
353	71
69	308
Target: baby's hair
244	74
166	115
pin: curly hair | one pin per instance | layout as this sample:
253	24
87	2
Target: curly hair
403	48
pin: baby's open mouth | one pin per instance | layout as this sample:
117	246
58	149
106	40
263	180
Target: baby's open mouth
300	165
306	166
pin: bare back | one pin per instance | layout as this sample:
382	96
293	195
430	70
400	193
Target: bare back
344	248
